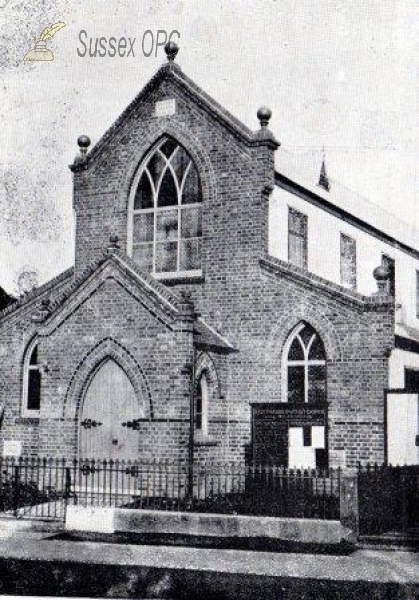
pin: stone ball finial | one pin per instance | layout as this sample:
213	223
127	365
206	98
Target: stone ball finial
381	273
264	114
171	49
83	142
114	240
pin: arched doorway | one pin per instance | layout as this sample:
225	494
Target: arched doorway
109	407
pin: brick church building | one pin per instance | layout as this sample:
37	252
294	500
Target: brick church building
196	315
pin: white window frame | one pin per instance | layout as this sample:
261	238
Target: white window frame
350	285
155	210
27	367
304	262
306	362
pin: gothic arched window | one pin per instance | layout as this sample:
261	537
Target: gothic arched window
305	366
31	381
166	212
201	406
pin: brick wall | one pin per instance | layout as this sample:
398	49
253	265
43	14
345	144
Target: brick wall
253	305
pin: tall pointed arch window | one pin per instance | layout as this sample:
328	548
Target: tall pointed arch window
166	212
31	404
201	406
305	366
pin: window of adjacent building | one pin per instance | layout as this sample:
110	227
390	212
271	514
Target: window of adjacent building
347	261
305	366
411	379
32	382
297	238
201	405
167	212
390	263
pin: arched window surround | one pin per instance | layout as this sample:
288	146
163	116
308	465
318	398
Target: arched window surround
165	236
32	381
304	363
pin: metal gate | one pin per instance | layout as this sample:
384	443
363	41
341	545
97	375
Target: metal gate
389	501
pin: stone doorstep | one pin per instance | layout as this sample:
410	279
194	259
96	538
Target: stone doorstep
119	520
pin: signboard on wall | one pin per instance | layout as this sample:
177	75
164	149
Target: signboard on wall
271	425
295	415
12	448
165	108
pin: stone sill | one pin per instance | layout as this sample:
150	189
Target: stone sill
204	440
180	278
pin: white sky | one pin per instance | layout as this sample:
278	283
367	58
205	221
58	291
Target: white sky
338	74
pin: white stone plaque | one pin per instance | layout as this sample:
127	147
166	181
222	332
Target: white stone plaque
337	458
165	108
12	448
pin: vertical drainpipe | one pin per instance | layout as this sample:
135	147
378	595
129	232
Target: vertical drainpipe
191	427
187	316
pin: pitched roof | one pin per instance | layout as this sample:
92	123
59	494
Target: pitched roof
123	261
174	72
206	337
304	171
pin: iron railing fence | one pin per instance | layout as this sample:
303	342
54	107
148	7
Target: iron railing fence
34	487
388	499
43	487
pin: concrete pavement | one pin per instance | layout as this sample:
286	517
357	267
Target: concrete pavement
20	541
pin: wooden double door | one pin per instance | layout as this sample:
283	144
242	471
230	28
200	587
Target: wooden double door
109	408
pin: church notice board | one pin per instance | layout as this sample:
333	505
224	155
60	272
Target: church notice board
270	425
